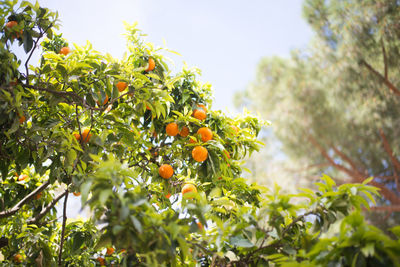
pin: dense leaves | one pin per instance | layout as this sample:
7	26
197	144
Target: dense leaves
68	128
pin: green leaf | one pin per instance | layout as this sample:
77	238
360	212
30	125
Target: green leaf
240	242
136	223
104	195
27	40
78	241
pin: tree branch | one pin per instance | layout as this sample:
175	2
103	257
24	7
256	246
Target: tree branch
39	216
386	81
328	158
357	176
27	198
391	208
63	228
384	59
386	146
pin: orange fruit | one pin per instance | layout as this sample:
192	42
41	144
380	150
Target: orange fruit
192	140
105	101
110	251
200	225
172	129
205	133
77	194
121	86
203	107
17	258
38	196
166	171
101	260
199	153
22	119
22	177
65	50
184	132
11	24
199	114
85	136
168	195
152	64
188	188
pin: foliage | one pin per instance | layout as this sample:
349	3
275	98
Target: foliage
66	128
335	105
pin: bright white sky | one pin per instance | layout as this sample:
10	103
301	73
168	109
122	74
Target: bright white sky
224	38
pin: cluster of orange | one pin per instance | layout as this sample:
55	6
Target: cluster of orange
199	153
10	27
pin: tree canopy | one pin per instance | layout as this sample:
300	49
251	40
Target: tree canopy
159	169
335	105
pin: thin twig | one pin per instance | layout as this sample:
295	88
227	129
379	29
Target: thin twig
384	59
33	50
63	228
386	81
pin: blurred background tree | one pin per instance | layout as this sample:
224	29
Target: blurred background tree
334	106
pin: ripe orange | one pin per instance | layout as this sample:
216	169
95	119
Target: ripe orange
205	133
11	24
77	194
101	260
38	196
152	64
184	131
65	50
199	114
110	251
168	195
166	171
22	119
203	107
199	153
121	86
17	258
22	177
85	136
104	102
172	129
235	128
188	188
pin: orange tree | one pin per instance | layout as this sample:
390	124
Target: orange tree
159	170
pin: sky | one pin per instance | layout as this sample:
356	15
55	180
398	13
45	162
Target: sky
225	39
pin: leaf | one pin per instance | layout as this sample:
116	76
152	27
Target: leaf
366	181
78	241
27	40
136	223
231	256
240	242
104	195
